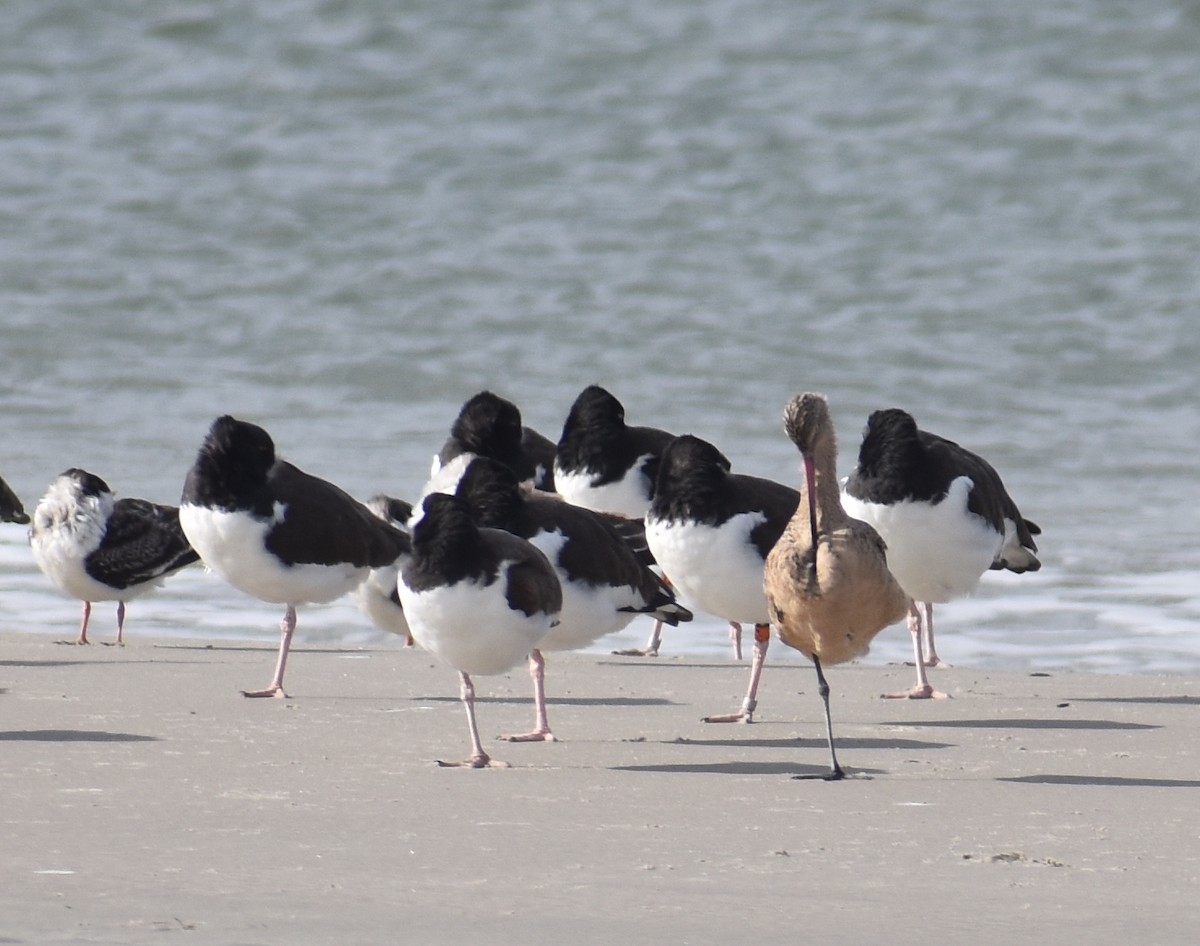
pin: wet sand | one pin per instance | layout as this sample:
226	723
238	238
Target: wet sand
146	801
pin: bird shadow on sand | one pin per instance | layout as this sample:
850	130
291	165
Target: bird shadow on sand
271	648
1149	700
72	735
846	742
557	701
1096	724
658	662
746	768
1104	781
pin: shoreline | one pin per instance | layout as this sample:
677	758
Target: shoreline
145	797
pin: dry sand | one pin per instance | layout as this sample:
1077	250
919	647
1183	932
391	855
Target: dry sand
145	801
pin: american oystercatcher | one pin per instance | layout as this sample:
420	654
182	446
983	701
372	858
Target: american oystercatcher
945	516
602	463
829	591
275	532
606	465
604	585
96	547
490	426
710	530
482	600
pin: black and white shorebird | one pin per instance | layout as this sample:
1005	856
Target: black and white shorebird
479	599
606	465
711	529
275	532
11	509
601	462
490	426
378	596
945	516
604	585
96	547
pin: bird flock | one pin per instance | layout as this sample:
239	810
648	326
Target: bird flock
519	545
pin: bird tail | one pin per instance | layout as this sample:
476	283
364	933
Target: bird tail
1017	552
673	613
666	609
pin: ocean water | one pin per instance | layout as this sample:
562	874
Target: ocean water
341	219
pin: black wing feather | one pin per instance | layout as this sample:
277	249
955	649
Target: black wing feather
143	541
324	525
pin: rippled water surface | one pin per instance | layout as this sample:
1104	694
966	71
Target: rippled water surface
341	219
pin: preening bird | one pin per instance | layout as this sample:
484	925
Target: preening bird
601	462
96	547
829	591
490	426
604	464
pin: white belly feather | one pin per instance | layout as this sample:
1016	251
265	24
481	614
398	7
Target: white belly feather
232	545
470	626
624	497
937	552
716	569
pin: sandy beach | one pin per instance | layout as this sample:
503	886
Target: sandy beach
146	801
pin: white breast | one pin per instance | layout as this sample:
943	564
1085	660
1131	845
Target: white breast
65	531
470	626
716	569
374	599
625	497
937	552
232	545
589	611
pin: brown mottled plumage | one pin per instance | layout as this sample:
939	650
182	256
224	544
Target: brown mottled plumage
829	591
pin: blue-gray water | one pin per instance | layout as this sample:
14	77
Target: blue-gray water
341	219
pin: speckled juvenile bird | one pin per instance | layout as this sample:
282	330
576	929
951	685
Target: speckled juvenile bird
96	547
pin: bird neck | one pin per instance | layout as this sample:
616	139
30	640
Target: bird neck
821	481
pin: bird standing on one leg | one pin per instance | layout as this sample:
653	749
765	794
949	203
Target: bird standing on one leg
829	591
945	516
275	532
96	547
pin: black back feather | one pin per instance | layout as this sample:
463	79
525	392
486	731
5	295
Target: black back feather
448	547
490	426
597	442
593	551
696	483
